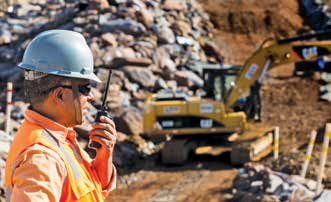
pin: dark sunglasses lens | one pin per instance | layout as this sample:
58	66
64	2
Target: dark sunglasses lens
84	89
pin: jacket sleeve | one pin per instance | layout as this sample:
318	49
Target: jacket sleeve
39	175
112	184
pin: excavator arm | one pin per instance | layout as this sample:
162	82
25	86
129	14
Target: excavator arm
202	124
277	52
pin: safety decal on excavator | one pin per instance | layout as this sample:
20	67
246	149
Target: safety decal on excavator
167	123
171	109
206	123
206	108
310	52
251	71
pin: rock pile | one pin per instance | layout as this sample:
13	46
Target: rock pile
259	183
291	164
149	44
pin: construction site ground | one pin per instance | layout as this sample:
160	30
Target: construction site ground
292	103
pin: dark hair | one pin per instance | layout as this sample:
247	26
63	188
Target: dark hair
36	91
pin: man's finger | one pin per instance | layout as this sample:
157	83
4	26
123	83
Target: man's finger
102	141
105	119
104	126
103	133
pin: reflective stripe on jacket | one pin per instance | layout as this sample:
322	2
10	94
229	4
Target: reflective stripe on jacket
83	183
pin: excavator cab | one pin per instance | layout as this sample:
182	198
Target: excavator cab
219	81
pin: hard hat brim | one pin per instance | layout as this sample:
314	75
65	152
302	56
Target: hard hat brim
64	73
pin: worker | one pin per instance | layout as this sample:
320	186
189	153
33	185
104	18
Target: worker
45	161
254	102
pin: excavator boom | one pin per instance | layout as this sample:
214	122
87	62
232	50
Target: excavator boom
274	53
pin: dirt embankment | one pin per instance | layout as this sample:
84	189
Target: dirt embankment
241	26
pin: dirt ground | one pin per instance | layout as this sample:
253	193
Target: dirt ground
288	102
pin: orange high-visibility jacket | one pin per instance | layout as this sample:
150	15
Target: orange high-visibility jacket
82	183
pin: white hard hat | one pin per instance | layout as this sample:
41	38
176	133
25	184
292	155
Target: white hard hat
60	52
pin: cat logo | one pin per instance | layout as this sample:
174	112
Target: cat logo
310	53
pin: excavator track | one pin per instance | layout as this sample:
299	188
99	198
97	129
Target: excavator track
252	145
176	151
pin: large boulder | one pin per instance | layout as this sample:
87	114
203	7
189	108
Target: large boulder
188	78
164	62
114	97
212	50
129	121
146	17
142	76
110	39
174	5
181	28
127	26
5	37
165	35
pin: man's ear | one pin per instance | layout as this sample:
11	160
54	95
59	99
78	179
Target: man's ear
57	95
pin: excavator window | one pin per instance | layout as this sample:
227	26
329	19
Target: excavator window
217	82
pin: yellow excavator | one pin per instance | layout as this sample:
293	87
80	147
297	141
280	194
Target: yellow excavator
227	117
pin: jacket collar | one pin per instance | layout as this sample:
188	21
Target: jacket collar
59	131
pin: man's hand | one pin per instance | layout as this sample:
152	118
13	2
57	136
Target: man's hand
105	134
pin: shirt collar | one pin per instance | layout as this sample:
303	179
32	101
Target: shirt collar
59	131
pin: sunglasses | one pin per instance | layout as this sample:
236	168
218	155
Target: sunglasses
82	89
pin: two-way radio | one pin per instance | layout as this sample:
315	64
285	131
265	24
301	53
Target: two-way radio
102	111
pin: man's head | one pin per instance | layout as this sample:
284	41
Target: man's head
58	67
